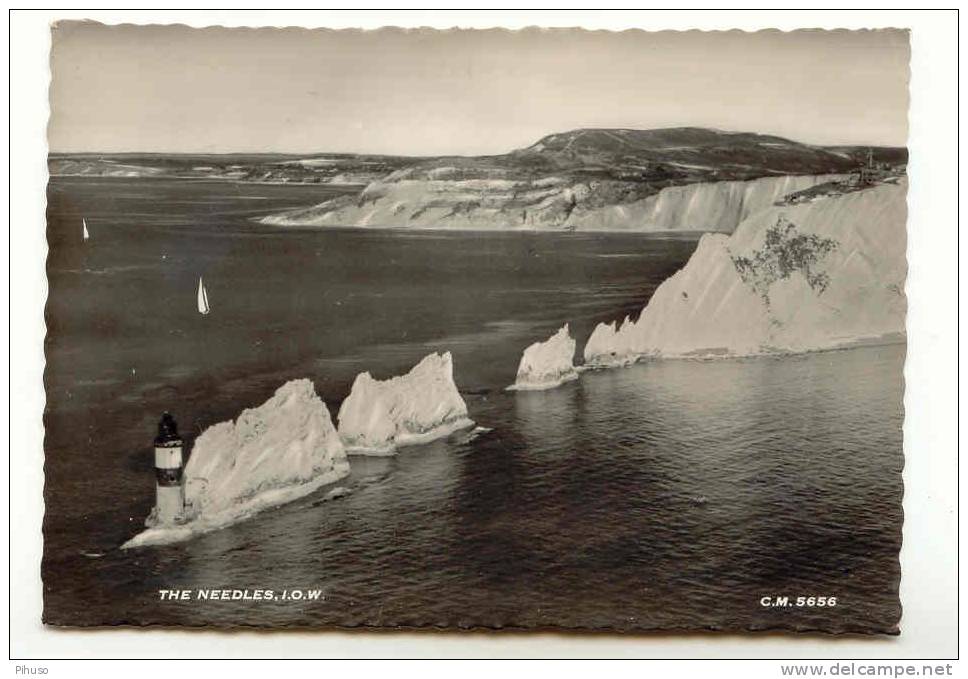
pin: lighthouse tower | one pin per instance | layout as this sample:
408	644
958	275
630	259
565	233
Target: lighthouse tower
170	502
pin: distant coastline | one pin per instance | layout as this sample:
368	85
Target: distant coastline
601	180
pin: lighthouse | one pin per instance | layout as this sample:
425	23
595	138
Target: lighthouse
170	502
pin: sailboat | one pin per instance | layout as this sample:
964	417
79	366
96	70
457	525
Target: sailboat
203	307
84	228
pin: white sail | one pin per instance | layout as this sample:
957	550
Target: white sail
202	297
84	227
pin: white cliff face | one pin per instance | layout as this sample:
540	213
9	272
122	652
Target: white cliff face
548	364
795	278
282	450
551	203
712	206
378	416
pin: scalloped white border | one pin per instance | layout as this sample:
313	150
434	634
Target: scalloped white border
928	557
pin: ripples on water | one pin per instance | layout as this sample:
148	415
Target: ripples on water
671	494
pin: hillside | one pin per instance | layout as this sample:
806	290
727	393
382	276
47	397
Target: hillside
663	157
701	154
596	179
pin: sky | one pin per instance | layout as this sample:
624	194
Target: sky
425	92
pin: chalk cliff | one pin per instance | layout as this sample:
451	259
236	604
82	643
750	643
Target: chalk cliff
551	203
815	275
684	178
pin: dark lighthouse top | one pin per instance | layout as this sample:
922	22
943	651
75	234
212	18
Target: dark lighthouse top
167	431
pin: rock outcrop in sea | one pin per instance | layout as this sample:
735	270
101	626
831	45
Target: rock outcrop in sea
284	449
380	415
791	278
548	364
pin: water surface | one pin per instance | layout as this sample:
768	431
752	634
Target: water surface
672	494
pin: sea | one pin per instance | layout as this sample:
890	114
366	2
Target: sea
677	495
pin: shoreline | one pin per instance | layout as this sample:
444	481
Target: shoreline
676	234
230	516
410	439
890	339
544	386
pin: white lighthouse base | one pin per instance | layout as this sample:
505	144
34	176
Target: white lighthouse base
169	507
194	524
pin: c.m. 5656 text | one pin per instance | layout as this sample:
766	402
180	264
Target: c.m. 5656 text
798	602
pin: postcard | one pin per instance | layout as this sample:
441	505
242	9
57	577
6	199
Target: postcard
475	329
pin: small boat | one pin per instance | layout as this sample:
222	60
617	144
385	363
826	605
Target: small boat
203	307
84	229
